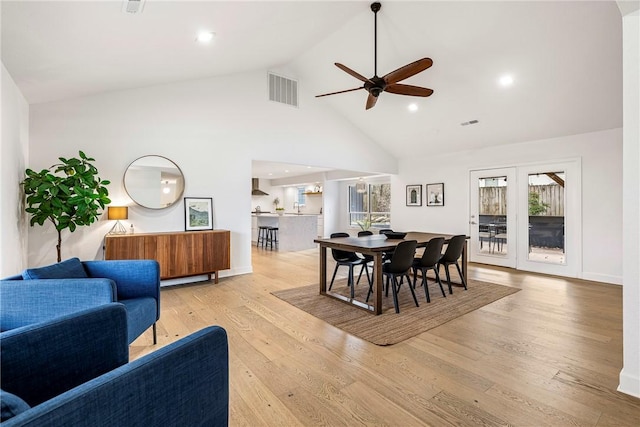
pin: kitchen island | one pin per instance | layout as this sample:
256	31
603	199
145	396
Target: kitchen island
296	232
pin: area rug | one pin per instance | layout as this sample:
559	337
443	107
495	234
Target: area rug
391	328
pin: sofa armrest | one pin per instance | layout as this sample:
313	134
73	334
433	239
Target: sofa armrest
134	278
183	384
43	360
24	302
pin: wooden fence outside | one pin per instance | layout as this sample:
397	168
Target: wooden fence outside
493	200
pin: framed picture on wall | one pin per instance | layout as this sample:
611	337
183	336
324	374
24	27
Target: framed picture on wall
435	194
414	195
198	213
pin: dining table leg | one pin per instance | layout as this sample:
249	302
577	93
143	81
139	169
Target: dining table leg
323	270
377	301
464	259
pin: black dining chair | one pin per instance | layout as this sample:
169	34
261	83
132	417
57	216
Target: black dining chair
367	260
399	267
429	261
386	256
451	256
349	259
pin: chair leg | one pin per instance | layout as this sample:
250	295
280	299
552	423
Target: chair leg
360	275
155	335
413	292
395	294
439	282
446	270
464	282
425	284
334	276
386	293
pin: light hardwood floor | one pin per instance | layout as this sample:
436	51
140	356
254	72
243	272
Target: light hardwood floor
547	355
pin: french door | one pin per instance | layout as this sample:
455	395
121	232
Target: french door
492	218
527	217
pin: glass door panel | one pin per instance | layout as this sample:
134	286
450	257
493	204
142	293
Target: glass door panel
492	217
549	240
546	217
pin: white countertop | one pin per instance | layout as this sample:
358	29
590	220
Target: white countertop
285	215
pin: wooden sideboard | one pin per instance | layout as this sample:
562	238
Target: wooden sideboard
180	254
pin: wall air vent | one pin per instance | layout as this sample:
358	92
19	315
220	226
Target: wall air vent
132	6
283	90
470	122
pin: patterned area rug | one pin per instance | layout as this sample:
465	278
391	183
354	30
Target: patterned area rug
389	327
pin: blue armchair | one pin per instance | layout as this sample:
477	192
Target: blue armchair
73	371
41	294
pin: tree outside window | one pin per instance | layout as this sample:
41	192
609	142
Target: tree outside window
371	208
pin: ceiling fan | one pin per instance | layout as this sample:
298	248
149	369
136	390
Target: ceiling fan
389	82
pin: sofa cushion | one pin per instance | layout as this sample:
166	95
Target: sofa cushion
68	269
11	404
141	313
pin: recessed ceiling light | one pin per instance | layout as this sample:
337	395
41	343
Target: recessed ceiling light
506	80
205	36
413	107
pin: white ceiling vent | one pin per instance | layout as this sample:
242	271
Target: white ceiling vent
132	6
283	90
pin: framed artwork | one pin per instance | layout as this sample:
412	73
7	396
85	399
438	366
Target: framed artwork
198	213
414	195
435	194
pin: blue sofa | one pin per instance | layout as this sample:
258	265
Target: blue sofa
43	293
73	371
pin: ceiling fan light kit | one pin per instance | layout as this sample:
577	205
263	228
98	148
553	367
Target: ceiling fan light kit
389	82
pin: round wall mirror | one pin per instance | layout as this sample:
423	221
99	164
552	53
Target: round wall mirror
154	182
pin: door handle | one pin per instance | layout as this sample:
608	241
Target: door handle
473	223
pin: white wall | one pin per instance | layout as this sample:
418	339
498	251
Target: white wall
630	375
13	157
601	155
212	129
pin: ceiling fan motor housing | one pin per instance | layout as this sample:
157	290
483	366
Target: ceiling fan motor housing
375	86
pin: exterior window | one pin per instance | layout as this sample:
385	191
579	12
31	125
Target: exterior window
371	208
301	197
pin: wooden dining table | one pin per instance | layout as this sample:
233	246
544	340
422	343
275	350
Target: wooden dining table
374	245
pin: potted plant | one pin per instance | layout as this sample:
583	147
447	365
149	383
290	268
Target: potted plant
276	203
69	194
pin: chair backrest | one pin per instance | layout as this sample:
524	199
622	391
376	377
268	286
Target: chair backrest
454	248
365	233
432	252
339	255
402	258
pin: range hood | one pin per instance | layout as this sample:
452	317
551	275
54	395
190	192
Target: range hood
255	188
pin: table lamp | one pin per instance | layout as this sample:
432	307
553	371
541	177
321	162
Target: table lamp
117	213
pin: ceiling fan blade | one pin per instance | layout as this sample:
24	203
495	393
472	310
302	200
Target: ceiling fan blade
341	91
352	73
400	89
407	71
371	101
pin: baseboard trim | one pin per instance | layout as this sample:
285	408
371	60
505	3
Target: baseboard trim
629	384
204	277
605	278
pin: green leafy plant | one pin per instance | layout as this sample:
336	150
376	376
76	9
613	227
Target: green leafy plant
69	194
364	224
536	207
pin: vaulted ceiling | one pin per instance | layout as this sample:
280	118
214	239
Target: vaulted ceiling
565	58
